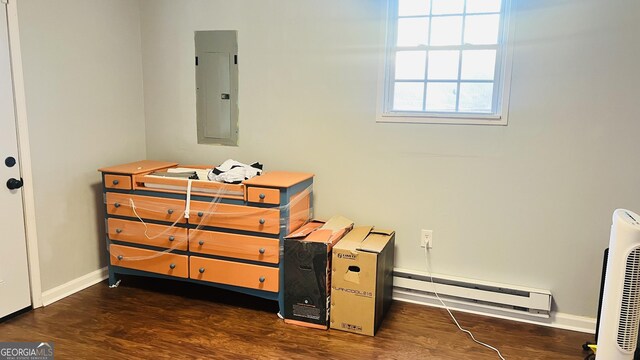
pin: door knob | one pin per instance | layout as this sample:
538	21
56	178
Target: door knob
13	184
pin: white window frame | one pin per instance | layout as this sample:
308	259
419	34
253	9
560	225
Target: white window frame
502	79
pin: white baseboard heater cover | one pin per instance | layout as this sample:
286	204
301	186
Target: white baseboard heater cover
479	294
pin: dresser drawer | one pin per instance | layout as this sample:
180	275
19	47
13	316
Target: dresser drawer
263	195
238	217
146	207
153	234
232	273
149	260
122	182
233	245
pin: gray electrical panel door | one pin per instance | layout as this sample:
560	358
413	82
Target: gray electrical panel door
217	87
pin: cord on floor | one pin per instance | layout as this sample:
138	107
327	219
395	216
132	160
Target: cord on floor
426	257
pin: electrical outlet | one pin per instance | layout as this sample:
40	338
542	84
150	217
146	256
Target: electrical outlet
426	239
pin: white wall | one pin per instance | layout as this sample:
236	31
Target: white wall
527	204
83	80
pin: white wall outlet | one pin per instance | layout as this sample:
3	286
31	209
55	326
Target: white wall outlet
426	239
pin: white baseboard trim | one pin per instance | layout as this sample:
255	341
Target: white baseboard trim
60	292
573	322
555	320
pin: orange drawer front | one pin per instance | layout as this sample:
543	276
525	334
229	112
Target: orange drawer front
232	273
235	217
153	235
146	207
122	182
149	260
233	245
263	195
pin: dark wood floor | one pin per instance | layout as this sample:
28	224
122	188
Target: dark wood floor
153	319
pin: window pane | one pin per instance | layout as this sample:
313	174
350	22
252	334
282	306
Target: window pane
447	7
478	64
481	29
413	31
441	96
410	65
483	6
476	97
443	65
446	30
413	7
408	96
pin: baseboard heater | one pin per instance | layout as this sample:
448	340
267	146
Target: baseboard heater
471	295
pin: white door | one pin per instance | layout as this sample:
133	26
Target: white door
14	271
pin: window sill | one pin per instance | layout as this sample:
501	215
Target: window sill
445	118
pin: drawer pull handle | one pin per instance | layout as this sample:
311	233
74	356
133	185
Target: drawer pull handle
201	270
261	196
118	231
261	279
116	182
200	213
261	250
262	221
201	242
171	238
172	266
170	211
116	204
120	257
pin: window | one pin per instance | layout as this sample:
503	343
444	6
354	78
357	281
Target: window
447	61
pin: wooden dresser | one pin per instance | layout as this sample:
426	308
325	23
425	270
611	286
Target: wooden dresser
224	235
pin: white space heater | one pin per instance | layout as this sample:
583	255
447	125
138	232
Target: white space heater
620	310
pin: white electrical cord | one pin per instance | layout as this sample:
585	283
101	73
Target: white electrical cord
146	229
426	258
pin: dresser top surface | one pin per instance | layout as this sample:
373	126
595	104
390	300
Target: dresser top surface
138	167
268	178
278	179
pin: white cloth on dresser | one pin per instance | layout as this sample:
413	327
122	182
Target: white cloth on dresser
234	172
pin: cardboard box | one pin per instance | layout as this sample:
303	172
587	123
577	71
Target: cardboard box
307	271
362	280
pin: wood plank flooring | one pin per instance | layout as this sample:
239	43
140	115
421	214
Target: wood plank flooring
157	319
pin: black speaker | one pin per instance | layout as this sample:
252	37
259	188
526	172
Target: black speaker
306	281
